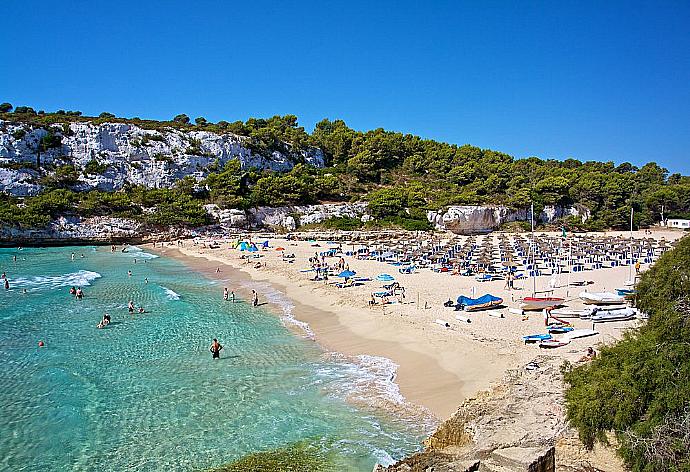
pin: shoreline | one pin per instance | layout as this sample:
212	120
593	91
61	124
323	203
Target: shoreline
438	368
422	380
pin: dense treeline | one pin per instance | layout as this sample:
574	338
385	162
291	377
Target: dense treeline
403	175
639	389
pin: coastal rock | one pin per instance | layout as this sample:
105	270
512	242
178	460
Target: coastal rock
518	425
74	229
290	217
232	217
129	153
471	219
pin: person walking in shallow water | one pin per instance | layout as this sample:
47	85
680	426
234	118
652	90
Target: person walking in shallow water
255	298
215	349
225	294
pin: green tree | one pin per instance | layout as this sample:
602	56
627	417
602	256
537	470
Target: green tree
5	107
181	118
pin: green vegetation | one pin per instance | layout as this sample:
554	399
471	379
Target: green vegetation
298	457
158	207
93	167
639	389
401	175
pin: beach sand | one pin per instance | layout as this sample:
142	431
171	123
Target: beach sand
438	367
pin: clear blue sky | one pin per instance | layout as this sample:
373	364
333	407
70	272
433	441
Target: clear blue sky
589	80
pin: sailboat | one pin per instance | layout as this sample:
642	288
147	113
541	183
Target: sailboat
629	289
534	302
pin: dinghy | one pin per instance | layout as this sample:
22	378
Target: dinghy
539	303
560	329
602	316
580	333
482	303
601	298
535	338
553	343
570	312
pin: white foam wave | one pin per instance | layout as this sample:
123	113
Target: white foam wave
363	378
278	298
172	295
82	278
138	253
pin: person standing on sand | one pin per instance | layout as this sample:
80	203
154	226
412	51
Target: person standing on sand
215	349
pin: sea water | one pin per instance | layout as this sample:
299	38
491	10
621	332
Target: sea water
144	394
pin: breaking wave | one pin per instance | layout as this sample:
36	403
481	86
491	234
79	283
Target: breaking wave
82	278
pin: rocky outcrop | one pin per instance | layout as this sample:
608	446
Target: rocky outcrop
128	154
471	219
75	230
290	217
519	425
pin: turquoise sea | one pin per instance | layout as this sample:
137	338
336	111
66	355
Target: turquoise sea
144	393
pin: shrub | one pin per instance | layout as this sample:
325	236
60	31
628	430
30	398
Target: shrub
640	388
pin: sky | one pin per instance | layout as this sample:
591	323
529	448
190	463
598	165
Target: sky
606	81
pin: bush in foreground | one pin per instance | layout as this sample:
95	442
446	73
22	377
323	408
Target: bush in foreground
639	389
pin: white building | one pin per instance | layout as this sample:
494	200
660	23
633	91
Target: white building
678	223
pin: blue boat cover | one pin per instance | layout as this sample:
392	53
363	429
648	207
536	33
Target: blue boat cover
467	301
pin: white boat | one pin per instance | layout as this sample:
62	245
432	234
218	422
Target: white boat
579	333
602	316
571	312
601	298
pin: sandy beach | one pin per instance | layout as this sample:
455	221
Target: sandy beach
439	367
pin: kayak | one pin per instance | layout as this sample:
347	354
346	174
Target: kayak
533	338
553	343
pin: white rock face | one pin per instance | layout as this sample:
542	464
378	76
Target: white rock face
468	219
308	214
132	154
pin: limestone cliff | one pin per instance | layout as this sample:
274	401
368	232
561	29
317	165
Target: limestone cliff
127	154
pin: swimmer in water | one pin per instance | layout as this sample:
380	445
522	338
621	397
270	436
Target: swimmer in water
130	306
215	349
129	273
104	322
73	291
72	256
112	248
141	309
7	284
79	294
146	280
3	276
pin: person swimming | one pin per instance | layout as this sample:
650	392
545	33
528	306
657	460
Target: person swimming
129	273
73	291
104	322
215	349
79	294
141	309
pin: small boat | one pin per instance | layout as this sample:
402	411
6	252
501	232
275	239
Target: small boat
626	292
560	329
570	312
553	343
539	303
601	298
482	303
535	338
617	309
580	333
614	315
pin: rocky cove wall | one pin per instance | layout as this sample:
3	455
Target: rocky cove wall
468	219
132	154
96	230
465	219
